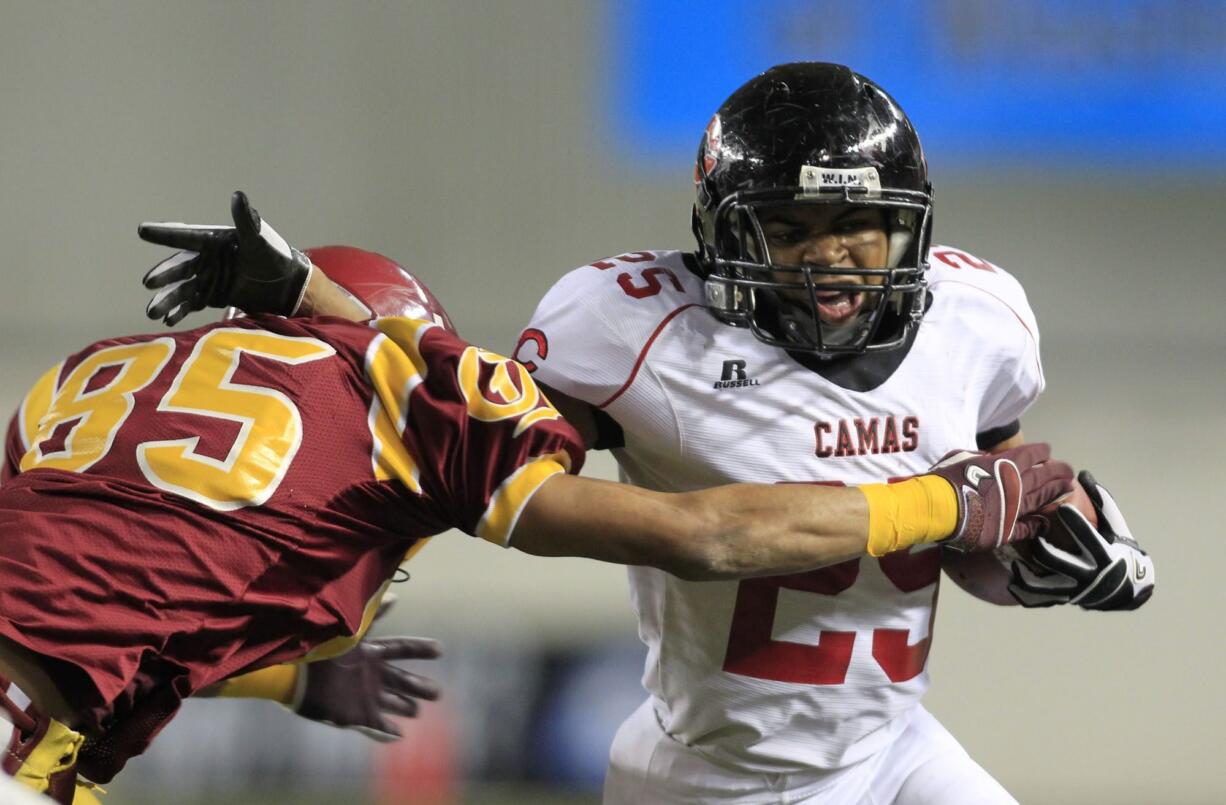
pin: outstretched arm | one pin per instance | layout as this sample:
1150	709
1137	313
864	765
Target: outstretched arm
744	530
725	532
323	297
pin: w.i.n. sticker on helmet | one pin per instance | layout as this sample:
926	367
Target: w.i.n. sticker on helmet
817	179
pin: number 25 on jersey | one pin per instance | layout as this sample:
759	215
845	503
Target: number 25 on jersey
753	651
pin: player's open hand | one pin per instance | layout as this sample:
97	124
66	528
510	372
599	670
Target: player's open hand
361	689
247	265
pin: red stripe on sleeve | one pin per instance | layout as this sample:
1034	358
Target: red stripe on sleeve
643	353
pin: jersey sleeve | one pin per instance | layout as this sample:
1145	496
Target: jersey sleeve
574	343
24	422
993	306
463	427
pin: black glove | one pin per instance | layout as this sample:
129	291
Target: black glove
1106	569
1000	494
247	265
361	688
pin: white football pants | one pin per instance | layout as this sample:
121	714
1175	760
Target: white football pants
924	766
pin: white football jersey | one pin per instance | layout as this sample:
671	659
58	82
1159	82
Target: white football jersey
808	671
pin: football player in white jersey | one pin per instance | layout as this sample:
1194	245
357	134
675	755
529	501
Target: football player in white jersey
816	336
789	349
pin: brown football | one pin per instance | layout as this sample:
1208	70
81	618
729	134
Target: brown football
986	575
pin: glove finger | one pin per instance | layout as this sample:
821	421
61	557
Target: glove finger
1028	579
398	705
406	648
246	220
182	236
1045	484
1031	600
1029	527
1080	565
1092	487
385	734
1027	455
178	266
1124	600
1086	535
1109	583
177	315
406	683
1110	518
168	300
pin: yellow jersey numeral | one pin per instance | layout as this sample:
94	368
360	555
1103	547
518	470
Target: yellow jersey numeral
270	425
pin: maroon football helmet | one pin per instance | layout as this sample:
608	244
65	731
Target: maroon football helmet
381	284
384	286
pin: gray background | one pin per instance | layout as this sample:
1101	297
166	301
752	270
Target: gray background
463	138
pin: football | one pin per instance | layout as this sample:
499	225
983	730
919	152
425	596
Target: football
986	575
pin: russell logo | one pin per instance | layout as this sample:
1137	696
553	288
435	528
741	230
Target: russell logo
734	376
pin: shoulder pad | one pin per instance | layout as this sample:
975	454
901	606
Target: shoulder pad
590	329
981	280
634	277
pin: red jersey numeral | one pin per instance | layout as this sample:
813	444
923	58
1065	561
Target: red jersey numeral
959	259
651	282
630	257
908	572
753	651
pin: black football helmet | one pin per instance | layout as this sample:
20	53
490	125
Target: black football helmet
811	133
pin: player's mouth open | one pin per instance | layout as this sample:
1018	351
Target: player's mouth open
838	307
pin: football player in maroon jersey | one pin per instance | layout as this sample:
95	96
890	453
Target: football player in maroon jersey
201	505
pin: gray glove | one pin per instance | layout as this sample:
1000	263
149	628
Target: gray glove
247	265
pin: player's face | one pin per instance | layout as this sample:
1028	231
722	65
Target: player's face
828	236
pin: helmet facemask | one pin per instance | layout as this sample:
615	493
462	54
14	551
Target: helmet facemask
780	303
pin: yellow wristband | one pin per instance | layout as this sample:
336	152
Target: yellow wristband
918	510
277	682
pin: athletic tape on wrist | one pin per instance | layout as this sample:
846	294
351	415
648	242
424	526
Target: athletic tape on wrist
911	512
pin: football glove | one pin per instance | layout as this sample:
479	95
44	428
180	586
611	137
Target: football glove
247	265
1000	494
1104	569
361	689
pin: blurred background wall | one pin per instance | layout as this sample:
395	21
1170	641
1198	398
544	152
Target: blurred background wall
492	146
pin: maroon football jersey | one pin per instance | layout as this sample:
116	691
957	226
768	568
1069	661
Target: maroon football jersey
201	503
